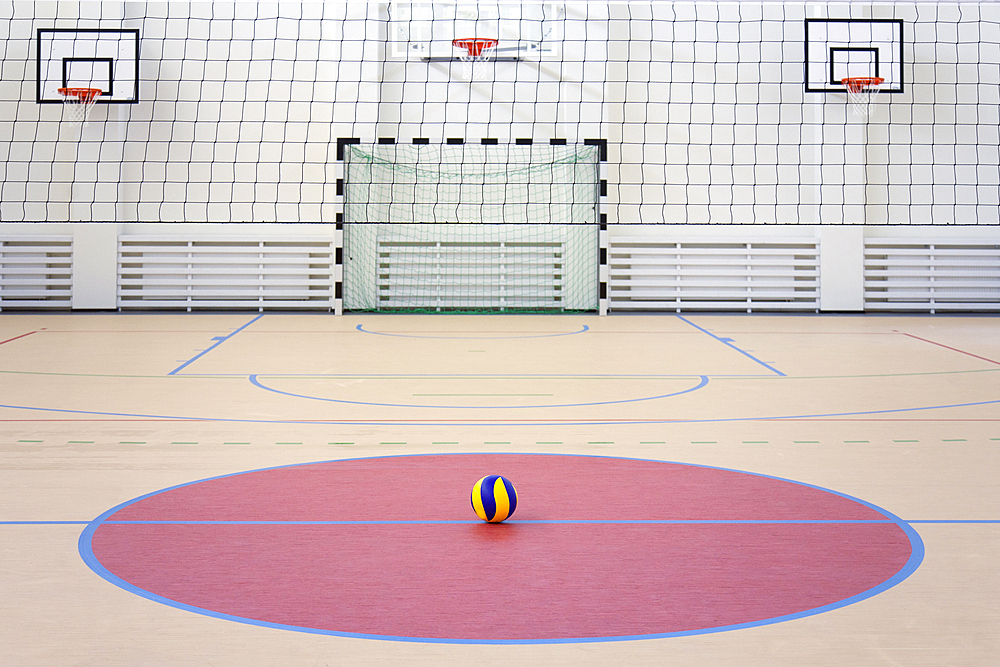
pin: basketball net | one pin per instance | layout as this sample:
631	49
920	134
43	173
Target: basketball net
862	91
477	50
77	103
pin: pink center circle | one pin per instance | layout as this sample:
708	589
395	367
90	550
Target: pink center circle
600	548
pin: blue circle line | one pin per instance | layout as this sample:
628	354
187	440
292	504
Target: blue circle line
85	547
703	381
399	335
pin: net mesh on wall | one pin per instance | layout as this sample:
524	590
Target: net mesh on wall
470	227
702	105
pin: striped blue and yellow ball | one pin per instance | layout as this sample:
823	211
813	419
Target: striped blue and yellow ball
494	498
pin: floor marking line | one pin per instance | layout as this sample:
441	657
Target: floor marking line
218	341
481	394
729	343
401	335
953	349
439	522
43	523
958	521
17	337
254	380
514	422
501	376
448	522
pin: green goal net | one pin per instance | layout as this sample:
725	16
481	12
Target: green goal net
470	227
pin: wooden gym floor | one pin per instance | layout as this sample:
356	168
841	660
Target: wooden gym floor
899	412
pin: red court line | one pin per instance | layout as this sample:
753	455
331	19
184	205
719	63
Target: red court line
129	331
16	337
953	349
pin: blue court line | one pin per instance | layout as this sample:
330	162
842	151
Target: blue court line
396	335
729	342
433	522
916	557
219	340
419	522
446	422
703	381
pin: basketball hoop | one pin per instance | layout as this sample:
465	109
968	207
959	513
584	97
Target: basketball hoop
477	50
862	91
77	103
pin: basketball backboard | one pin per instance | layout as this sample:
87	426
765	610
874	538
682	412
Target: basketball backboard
425	30
839	48
102	58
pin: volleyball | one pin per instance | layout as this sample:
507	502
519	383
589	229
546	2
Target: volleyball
494	498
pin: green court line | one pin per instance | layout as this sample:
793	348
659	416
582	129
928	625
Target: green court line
237	376
954	440
906	441
806	442
236	443
340	443
130	442
600	442
855	442
755	442
80	442
83	375
481	394
554	442
496	443
392	443
183	443
653	442
703	442
31	441
994	438
288	443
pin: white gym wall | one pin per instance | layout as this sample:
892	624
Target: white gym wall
710	131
